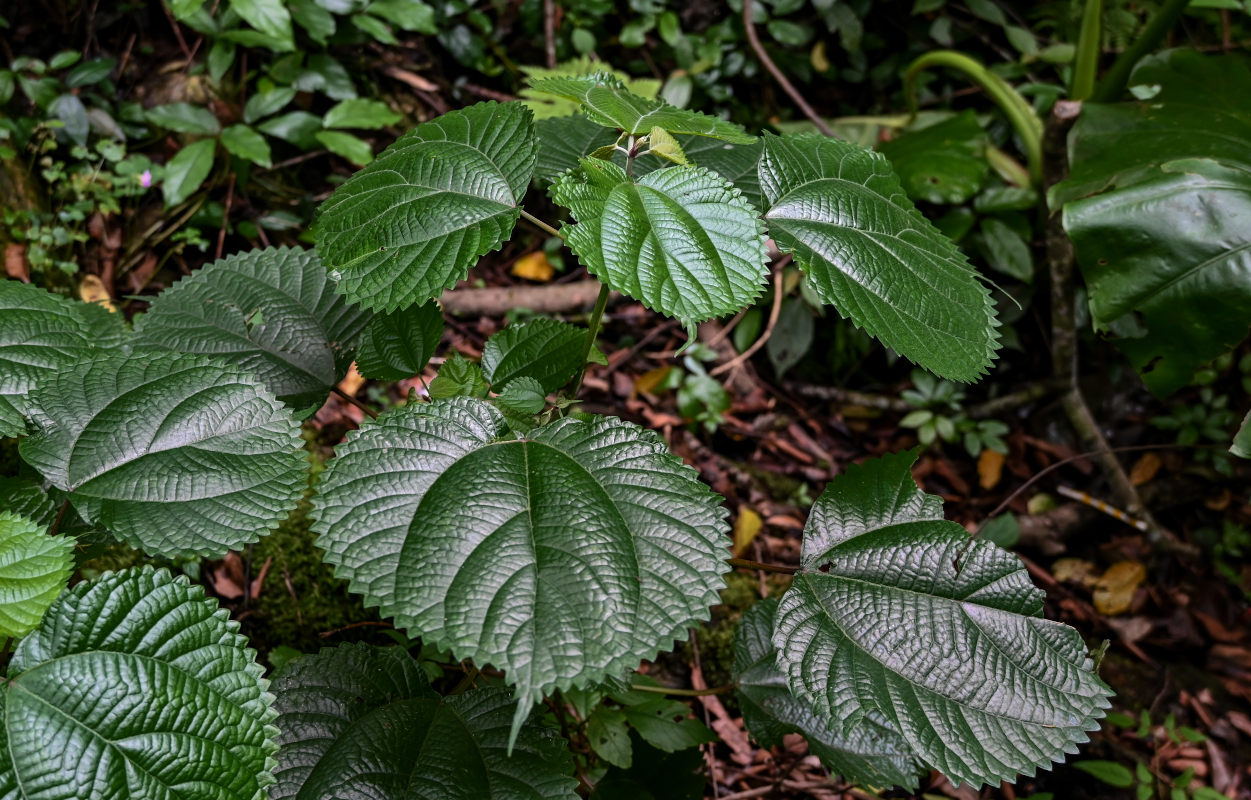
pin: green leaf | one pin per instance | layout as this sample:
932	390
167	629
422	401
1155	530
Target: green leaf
270	17
680	240
545	349
135	685
26	499
297	127
175	454
398	345
185	118
361	113
361	721
880	621
33	570
183	9
72	114
522	396
1006	251
654	775
737	163
409	15
1242	440
608	736
662	722
606	101
564	142
412	223
262	104
792	338
272	312
246	143
1157	207
375	28
41	334
867	250
353	148
871	754
90	73
310	16
186	171
561	559
663	145
458	377
1109	772
942	163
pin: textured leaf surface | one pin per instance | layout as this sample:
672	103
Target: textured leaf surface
398	345
565	141
33	570
871	753
606	101
561	558
272	312
413	222
680	240
175	454
134	686
1163	230
361	723
942	163
40	334
961	663
548	350
867	250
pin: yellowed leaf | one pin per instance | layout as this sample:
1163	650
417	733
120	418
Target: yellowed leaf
1145	468
92	290
989	468
648	381
533	267
1074	570
817	57
746	526
1115	590
352	382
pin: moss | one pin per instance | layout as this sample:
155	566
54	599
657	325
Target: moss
716	639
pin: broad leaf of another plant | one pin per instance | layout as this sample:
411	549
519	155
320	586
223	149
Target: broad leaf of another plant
33	570
680	240
135	685
941	163
360	722
398	345
561	558
175	454
413	222
272	312
1242	440
1158	206
959	661
866	249
606	101
871	754
548	350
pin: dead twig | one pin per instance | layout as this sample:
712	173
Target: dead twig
749	27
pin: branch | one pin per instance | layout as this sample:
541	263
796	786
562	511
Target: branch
549	299
749	26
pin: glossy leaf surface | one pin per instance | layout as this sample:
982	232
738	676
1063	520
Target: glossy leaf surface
942	163
398	345
548	350
33	570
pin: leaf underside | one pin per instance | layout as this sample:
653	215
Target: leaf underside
866	250
360	722
561	559
681	240
272	312
548	350
176	454
33	570
959	662
399	345
413	222
135	685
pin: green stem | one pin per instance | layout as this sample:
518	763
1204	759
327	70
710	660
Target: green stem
533	220
592	331
727	688
1088	46
1019	112
1113	83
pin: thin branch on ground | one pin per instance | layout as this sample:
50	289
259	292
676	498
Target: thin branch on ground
753	39
774	310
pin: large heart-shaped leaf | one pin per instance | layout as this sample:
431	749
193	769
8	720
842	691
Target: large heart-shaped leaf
398	345
606	101
272	312
175	454
361	723
867	250
33	570
681	240
413	222
1159	210
135	685
561	558
872	753
548	350
897	612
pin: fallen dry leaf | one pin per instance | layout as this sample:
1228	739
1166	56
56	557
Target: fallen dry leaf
92	290
352	382
989	469
746	526
533	267
1074	570
15	264
648	381
1115	590
1145	468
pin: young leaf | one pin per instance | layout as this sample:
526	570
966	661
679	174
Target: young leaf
33	570
959	660
458	377
398	345
447	192
548	350
606	101
186	171
867	250
176	454
561	559
871	754
135	685
522	396
272	312
680	240
40	335
361	721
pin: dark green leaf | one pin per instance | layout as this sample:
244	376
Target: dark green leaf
375	28
792	336
353	148
310	16
270	17
1109	772
609	737
1006	251
90	73
522	396
410	15
33	570
246	143
73	117
185	118
398	345
262	104
942	163
458	377
297	127
565	141
547	350
654	775
186	171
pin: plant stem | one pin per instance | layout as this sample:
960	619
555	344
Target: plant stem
639	687
1114	81
60	517
746	564
592	331
1088	47
349	398
538	223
